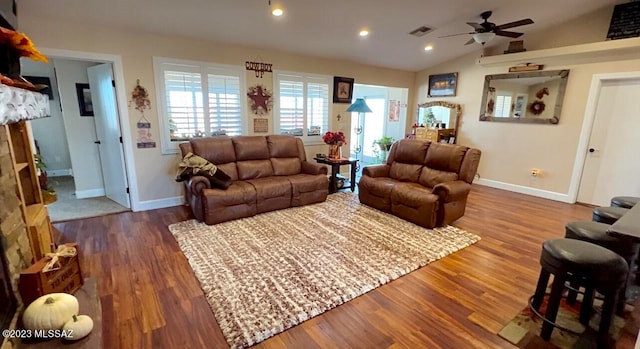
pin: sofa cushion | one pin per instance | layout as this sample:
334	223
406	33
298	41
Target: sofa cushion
282	146
430	177
238	193
415	203
286	166
254	169
445	157
405	172
376	192
217	150
251	148
272	193
410	151
230	169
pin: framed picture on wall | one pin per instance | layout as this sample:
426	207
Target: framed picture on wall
84	99
442	85
41	81
342	89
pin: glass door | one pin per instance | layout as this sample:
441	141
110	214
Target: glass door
372	125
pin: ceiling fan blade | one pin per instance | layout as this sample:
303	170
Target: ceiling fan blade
514	24
446	36
475	26
471	41
508	34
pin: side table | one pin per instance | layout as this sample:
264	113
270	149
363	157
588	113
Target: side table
335	169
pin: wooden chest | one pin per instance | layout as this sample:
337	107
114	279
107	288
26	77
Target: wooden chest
35	283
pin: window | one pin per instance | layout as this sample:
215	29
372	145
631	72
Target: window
186	112
302	108
503	104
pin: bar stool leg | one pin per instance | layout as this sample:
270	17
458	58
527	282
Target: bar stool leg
541	289
552	307
587	305
572	295
610	299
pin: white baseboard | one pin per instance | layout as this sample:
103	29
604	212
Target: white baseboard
90	193
525	190
159	203
59	173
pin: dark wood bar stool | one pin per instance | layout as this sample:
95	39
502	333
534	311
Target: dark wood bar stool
596	233
593	266
624	201
608	215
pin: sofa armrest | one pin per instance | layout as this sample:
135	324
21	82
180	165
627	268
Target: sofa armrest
452	191
376	171
314	169
197	184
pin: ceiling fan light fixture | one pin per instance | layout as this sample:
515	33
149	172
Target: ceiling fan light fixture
483	38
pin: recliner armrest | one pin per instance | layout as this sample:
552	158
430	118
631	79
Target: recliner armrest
197	184
452	191
376	171
314	169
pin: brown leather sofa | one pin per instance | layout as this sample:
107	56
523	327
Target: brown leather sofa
425	183
268	173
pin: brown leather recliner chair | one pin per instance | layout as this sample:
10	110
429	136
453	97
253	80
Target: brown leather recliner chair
268	173
422	182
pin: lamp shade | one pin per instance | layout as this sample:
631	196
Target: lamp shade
359	106
483	38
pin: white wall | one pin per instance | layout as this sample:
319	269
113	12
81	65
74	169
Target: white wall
49	132
80	130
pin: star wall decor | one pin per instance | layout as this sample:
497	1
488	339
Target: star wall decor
260	98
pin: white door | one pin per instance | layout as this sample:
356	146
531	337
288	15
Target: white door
612	167
108	131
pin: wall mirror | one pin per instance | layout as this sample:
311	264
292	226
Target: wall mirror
531	97
439	114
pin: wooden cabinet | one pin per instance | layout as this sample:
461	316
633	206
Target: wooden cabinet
434	134
33	209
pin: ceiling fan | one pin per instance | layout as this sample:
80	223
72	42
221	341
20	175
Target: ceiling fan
486	30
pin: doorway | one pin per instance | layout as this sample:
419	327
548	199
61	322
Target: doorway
75	154
609	168
387	118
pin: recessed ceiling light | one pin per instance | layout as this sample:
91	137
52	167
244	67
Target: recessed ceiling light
364	33
277	12
428	48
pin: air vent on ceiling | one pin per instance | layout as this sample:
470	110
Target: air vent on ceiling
421	31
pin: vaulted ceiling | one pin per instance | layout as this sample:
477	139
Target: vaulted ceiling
323	28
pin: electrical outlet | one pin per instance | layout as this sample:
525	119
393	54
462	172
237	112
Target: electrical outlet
535	173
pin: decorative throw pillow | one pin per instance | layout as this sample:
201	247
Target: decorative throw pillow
192	165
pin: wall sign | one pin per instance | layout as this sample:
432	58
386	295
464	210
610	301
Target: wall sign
624	21
259	67
260	125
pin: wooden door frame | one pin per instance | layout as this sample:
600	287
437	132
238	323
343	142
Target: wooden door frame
587	125
123	110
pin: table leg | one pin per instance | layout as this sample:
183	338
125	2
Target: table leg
354	166
333	181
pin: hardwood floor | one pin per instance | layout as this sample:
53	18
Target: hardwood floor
151	299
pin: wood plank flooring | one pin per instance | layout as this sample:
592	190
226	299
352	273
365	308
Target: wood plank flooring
151	299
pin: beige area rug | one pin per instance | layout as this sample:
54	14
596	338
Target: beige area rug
264	274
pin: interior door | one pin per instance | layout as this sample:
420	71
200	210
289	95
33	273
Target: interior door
611	167
108	131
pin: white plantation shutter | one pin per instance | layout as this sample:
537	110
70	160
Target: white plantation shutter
225	112
317	107
184	103
186	112
503	105
291	107
303	105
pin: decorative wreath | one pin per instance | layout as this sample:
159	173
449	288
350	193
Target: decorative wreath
537	107
260	99
140	97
